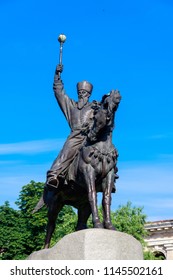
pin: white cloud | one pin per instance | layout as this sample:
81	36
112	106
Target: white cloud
160	136
166	156
162	203
148	184
151	178
31	147
10	162
21	168
12	181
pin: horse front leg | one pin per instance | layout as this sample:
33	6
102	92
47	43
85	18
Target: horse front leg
89	180
84	211
108	184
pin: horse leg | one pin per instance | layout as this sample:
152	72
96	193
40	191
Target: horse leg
84	211
108	184
89	178
53	212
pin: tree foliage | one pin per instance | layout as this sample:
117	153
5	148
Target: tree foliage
13	233
149	255
22	232
130	220
35	224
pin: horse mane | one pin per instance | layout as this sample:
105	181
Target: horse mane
104	117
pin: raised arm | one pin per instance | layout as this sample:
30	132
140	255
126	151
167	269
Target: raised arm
64	101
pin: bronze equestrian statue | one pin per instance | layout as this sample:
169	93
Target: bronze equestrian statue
87	162
79	116
92	170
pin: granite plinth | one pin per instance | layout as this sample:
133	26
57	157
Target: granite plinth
93	244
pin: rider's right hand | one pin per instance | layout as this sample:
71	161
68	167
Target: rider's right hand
59	68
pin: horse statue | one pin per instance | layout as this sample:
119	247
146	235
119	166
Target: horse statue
93	170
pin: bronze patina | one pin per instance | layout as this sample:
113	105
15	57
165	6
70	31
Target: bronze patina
87	163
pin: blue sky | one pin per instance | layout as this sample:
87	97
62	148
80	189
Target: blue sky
125	45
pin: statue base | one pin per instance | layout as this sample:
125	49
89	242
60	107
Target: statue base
93	244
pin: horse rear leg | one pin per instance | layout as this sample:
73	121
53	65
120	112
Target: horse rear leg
108	184
53	212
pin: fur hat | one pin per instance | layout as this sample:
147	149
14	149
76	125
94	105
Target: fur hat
85	86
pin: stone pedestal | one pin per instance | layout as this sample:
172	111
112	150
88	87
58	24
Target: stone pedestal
93	244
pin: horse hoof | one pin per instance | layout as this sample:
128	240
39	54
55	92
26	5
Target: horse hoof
81	227
109	226
98	225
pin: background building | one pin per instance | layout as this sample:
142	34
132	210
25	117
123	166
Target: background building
160	239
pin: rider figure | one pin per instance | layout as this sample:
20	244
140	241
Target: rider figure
80	117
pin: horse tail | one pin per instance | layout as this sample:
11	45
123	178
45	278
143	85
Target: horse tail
39	205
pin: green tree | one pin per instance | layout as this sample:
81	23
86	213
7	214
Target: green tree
22	232
131	220
128	219
66	224
13	233
36	223
148	255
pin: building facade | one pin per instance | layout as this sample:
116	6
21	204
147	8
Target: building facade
160	239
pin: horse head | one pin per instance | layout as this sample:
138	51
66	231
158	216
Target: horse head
105	114
111	101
